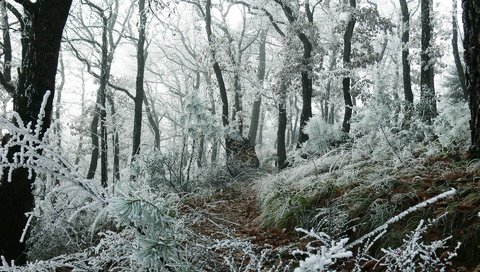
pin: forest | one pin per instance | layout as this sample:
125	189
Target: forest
240	135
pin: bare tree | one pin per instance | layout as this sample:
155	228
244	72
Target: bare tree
407	81
347	51
456	54
428	104
140	92
42	28
109	42
252	134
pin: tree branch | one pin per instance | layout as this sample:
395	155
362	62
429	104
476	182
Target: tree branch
266	12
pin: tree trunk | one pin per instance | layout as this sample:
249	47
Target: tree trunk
407	81
307	88
7	45
282	126
40	49
100	115
252	134
260	129
471	19
456	54
92	169
238	108
333	65
58	102
201	152
140	92
428	105
82	112
347	50
218	71
115	140
153	121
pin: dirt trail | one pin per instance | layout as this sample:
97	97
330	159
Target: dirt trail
232	214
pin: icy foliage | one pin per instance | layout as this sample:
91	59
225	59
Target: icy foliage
197	119
239	255
322	258
452	126
78	224
414	254
322	136
163	170
152	216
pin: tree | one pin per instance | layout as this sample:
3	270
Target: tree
407	82
44	21
471	20
254	120
428	104
282	125
347	51
87	36
139	93
456	54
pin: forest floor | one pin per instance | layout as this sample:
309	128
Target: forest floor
228	224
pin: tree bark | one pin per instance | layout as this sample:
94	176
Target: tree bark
58	102
218	72
307	88
140	92
153	121
456	54
7	45
260	129
347	50
100	115
115	140
333	65
428	104
282	126
407	81
471	24
252	134
41	40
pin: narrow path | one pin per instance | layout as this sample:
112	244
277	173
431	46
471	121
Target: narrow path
229	225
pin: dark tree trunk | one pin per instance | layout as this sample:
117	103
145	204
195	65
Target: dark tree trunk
471	23
456	54
7	45
115	140
307	67
282	126
153	122
347	50
40	49
140	92
307	88
252	134
218	71
92	169
238	108
428	104
407	81
100	115
201	151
